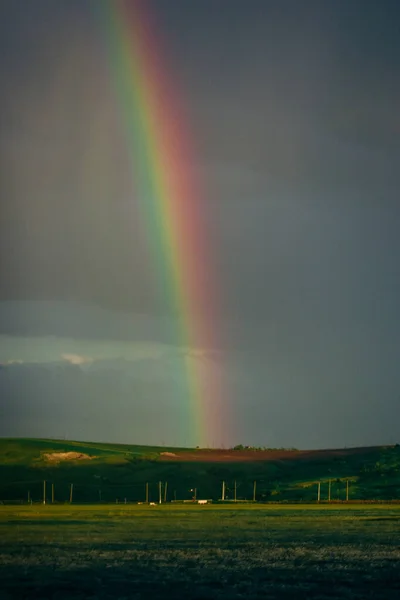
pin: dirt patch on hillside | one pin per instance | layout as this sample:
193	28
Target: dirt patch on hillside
259	455
227	456
61	456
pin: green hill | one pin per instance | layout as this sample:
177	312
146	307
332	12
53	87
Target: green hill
110	472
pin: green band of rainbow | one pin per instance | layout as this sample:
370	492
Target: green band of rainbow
170	202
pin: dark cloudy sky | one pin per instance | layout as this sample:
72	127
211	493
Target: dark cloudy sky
294	110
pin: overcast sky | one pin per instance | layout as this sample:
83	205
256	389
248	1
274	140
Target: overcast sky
294	112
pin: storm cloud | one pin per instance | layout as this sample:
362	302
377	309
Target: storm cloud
292	109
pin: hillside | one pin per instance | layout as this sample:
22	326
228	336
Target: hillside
107	472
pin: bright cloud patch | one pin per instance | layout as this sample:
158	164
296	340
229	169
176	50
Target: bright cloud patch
13	361
77	359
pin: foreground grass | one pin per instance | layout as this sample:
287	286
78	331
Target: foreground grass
199	552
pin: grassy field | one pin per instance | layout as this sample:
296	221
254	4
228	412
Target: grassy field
122	471
200	552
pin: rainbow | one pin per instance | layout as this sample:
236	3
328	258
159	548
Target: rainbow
170	200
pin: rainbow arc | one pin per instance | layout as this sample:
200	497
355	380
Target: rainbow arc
170	202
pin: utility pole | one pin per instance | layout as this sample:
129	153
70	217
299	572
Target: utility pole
52	493
159	492
165	491
329	491
29	497
195	494
147	493
234	492
254	491
71	489
223	491
44	492
347	490
319	492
